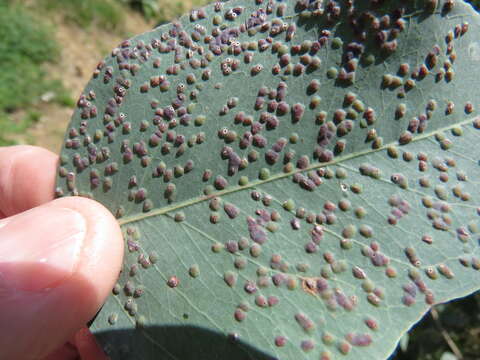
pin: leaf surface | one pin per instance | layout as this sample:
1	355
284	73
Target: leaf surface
295	180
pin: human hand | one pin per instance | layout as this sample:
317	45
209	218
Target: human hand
59	260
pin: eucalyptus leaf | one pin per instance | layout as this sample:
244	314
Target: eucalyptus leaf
294	179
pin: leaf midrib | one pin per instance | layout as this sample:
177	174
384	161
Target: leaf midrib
253	184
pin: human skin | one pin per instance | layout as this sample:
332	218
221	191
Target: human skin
59	259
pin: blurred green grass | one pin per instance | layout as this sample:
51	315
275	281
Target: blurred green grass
26	44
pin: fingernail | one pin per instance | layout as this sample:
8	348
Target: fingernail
40	248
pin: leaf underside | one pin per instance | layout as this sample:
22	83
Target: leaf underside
294	179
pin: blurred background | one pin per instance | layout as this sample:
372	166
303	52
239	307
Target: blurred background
48	50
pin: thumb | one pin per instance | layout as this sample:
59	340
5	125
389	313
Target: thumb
58	263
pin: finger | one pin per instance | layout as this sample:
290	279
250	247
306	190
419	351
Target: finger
66	352
27	178
87	346
58	263
82	346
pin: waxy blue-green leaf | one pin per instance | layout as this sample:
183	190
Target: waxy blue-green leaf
295	179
